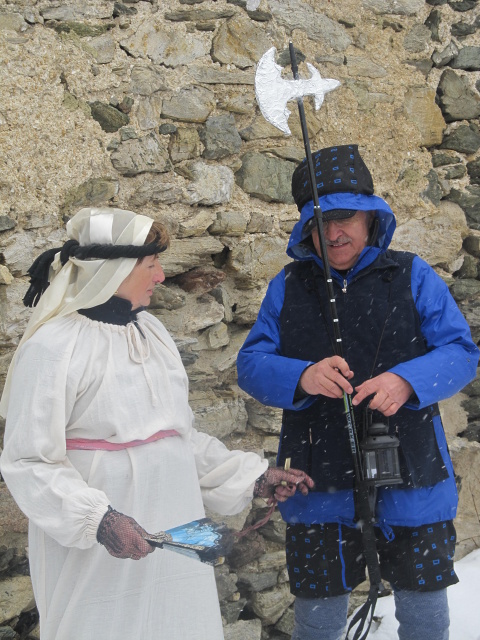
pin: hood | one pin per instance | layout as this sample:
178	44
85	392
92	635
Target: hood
359	202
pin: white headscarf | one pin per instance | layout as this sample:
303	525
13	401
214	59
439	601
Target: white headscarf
82	284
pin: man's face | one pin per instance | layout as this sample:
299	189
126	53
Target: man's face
345	238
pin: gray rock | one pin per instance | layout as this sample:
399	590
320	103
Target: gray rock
473	169
164	46
462	5
209	184
469	200
108	117
12	22
274	530
220	137
472	245
232	610
295	14
239	42
190	104
184	144
268	420
62	12
472	432
366	98
80	29
433	22
456	172
442	58
246	549
237	102
217	416
146	80
93	192
159	189
469	268
7	223
255	580
457	100
462	29
120	9
266	178
442	159
102	48
15	595
363	67
196	15
149	110
196	223
417	39
468	59
19	253
255	259
243	630
423	66
212	75
144	155
260	129
226	582
245	301
473	388
464	139
7	633
167	128
465	290
395	7
231	223
185	254
452	225
270	605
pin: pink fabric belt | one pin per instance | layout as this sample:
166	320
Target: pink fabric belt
93	445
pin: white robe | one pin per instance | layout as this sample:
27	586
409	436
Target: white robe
79	378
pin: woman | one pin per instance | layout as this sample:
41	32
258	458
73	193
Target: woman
98	426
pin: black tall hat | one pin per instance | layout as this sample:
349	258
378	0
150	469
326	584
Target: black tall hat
337	169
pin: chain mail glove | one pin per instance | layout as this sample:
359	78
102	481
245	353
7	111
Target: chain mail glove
281	484
122	536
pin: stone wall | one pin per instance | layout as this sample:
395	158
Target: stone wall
150	105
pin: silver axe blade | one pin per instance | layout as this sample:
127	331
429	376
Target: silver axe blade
273	92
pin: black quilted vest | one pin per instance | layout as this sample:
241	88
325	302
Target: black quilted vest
380	328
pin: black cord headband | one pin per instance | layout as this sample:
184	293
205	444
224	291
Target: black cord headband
39	270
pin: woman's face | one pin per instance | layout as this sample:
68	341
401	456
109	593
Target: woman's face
138	286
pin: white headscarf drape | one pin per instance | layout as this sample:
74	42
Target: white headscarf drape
82	284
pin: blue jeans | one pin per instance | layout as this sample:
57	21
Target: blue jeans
422	616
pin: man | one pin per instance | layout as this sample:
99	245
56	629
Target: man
406	346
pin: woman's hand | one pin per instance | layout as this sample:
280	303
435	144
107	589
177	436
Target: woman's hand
280	484
329	377
122	536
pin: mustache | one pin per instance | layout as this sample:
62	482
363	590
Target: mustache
341	240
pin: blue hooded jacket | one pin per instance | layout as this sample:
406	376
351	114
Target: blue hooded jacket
445	369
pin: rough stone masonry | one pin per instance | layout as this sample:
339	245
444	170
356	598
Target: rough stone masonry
149	105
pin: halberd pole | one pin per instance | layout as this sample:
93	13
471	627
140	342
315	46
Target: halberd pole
364	512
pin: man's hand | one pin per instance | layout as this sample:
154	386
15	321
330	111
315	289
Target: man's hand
329	377
281	484
389	390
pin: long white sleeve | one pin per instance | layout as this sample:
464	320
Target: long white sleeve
226	477
45	485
